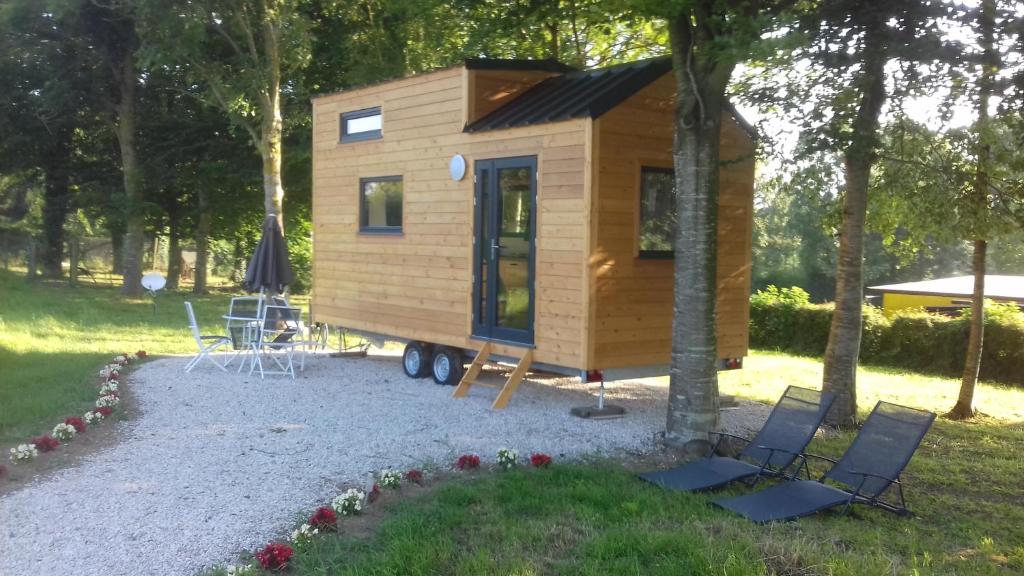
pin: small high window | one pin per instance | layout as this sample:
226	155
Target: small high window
361	125
380	205
657	212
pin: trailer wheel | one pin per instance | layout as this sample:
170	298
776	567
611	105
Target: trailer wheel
416	359
447	366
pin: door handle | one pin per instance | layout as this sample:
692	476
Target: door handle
494	249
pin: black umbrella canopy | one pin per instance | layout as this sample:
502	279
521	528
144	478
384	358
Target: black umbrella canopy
269	268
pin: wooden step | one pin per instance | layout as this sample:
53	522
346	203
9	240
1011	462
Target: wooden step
515	378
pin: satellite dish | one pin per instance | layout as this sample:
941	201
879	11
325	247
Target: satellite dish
457	167
154	281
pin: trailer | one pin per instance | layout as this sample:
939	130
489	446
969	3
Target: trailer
517	210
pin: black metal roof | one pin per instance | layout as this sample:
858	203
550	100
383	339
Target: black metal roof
575	94
547	65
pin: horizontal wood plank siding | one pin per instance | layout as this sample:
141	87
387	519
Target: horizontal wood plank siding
632	308
418	285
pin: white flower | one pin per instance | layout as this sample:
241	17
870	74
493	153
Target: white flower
507	458
107	401
108	387
24	453
92	417
120	359
133	357
304	533
64	432
350	503
389	479
110	370
241	570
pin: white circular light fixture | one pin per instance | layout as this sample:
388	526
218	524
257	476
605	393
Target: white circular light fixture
154	281
457	167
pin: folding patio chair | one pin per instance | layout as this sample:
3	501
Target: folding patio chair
206	344
873	463
279	331
242	325
789	428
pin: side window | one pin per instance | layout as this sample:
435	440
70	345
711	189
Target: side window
657	212
380	205
361	125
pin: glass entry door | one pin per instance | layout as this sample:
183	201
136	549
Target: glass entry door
503	293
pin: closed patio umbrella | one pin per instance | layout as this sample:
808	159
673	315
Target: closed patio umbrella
269	268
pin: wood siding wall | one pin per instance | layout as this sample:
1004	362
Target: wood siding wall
419	285
631	306
486	90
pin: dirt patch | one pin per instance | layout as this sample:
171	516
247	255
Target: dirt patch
70	454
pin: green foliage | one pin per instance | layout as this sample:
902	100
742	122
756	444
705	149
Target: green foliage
300	254
782	319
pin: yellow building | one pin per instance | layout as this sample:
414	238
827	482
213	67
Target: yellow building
947	293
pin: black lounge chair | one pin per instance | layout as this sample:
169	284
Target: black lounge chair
789	428
874	462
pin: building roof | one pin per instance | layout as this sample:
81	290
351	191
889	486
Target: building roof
575	94
997	287
546	65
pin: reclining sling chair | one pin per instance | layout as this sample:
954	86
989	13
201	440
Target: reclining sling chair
789	428
873	463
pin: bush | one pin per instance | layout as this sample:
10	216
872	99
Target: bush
784	320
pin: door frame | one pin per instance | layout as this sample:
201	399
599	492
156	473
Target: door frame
487	328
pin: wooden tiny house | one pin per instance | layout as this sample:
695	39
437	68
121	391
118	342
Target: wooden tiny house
555	239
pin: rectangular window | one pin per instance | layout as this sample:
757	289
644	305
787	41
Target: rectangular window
361	125
657	212
380	205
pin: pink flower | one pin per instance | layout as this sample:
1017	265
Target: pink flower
540	460
46	443
414	475
141	354
324	518
76	422
274	556
106	411
468	462
374	493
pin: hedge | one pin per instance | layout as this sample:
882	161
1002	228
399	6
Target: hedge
783	319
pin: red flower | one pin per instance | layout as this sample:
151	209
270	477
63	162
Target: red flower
468	462
141	354
414	475
106	411
540	460
113	376
46	443
323	518
274	556
374	493
76	422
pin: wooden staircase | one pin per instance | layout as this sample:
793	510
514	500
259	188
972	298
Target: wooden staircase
513	381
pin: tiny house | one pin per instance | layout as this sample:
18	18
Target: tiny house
517	210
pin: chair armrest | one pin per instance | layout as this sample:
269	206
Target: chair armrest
870	475
720	434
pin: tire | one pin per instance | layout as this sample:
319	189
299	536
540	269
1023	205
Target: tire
416	359
446	367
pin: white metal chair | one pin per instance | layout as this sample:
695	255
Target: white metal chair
207	344
242	325
280	330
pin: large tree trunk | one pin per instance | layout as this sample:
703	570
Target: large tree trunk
202	242
131	251
843	349
964	407
272	127
56	201
693	376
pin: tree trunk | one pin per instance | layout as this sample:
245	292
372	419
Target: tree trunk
964	407
272	127
173	250
132	250
56	201
693	377
202	242
843	349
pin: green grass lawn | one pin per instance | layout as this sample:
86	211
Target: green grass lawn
964	484
54	338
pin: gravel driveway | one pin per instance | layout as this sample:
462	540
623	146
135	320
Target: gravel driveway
215	464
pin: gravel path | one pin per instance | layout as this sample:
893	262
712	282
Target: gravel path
215	464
